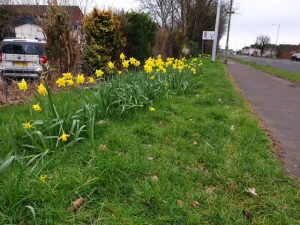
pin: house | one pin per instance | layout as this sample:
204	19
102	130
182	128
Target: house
254	51
26	23
251	51
285	51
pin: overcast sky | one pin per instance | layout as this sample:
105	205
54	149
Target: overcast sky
254	17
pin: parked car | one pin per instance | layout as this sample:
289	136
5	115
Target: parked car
295	57
22	58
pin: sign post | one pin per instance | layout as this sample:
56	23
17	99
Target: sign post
207	36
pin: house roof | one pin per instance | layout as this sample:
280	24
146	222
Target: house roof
289	48
25	20
23	12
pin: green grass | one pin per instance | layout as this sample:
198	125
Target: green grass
187	143
291	76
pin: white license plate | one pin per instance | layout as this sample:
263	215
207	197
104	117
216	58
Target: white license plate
21	64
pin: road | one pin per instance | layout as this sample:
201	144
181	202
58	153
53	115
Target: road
277	103
287	65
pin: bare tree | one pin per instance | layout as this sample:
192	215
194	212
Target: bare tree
164	12
262	43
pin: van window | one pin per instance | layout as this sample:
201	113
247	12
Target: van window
25	48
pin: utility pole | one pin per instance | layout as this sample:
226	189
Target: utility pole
214	52
228	32
278	30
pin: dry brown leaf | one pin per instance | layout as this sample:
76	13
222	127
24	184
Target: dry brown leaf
154	178
195	204
103	148
210	189
180	203
76	204
148	146
252	191
101	122
247	214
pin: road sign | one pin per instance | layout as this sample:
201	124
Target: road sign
208	35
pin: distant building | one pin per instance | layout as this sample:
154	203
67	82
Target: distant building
27	24
254	51
285	51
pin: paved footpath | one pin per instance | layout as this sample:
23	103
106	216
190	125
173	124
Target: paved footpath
277	102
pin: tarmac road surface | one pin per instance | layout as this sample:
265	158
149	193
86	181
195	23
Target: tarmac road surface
283	64
277	102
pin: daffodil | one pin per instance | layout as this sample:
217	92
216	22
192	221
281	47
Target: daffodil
152	78
111	65
120	72
125	64
122	56
67	76
80	79
148	68
37	107
42	90
91	80
137	63
132	60
61	82
23	85
43	178
64	137
152	109
193	70
27	125
99	73
70	82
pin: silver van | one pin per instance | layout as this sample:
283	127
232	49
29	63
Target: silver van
22	58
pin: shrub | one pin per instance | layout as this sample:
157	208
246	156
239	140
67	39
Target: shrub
169	43
140	34
103	38
62	43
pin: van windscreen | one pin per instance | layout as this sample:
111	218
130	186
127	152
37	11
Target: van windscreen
25	48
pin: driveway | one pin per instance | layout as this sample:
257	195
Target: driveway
277	102
287	65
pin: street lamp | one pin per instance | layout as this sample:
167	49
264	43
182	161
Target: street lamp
228	31
278	29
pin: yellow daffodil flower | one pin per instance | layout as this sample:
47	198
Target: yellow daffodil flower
23	85
152	109
91	80
70	82
125	64
99	73
111	65
193	70
148	68
37	107
122	56
27	125
137	63
64	137
120	72
132	60
43	178
42	90
61	82
67	76
80	79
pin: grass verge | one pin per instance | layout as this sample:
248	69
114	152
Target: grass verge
190	162
294	77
